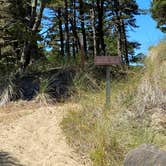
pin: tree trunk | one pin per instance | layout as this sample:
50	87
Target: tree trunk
83	26
94	31
37	22
100	6
33	13
74	28
30	46
119	42
75	34
67	44
61	31
118	29
125	43
74	49
76	42
25	57
82	51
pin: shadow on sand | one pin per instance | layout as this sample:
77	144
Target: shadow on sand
7	160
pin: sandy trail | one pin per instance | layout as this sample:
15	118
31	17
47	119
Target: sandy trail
36	139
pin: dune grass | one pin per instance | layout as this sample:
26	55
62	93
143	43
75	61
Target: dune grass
105	136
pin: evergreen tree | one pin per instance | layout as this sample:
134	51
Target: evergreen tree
83	28
158	10
122	15
20	25
13	27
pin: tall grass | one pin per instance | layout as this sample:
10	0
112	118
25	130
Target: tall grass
89	131
10	90
105	136
44	96
151	91
92	128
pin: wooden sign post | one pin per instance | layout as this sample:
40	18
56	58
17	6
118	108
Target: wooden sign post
107	61
82	50
108	87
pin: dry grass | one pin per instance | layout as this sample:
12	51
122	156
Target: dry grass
10	91
151	91
89	131
15	110
103	135
92	129
107	135
44	96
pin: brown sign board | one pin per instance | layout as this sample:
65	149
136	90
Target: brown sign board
107	60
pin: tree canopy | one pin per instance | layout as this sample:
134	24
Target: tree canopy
78	30
158	8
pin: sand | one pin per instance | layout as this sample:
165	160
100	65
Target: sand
35	138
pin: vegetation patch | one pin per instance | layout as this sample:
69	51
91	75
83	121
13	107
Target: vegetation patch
107	135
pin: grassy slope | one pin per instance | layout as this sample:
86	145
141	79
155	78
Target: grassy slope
107	135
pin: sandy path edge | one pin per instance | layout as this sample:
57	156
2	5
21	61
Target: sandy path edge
36	139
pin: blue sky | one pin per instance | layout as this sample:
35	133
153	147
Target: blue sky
147	34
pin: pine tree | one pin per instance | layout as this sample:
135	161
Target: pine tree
96	21
20	23
158	10
12	26
122	16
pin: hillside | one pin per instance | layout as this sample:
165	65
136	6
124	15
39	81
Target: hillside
77	87
80	130
137	114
